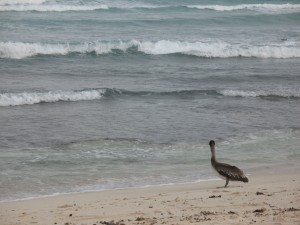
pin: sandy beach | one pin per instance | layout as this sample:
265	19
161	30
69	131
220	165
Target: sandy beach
266	199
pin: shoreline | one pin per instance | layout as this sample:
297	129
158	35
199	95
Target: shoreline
266	199
252	172
104	190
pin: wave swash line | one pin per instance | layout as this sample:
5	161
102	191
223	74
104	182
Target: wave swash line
20	50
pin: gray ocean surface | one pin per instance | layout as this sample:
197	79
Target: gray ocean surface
98	94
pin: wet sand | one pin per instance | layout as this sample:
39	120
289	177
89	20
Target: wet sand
266	199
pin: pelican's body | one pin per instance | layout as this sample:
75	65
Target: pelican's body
226	171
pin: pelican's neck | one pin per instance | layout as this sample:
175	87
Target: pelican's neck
213	153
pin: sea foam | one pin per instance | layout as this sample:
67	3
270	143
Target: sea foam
284	93
19	50
36	5
23	2
255	7
28	98
44	6
217	49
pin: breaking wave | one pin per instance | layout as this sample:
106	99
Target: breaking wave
19	50
29	98
58	6
51	8
256	7
15	99
18	2
276	93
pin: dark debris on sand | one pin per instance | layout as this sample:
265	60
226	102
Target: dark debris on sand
261	193
140	219
215	196
292	209
259	210
199	217
121	222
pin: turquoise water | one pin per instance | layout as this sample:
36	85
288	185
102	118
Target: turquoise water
100	95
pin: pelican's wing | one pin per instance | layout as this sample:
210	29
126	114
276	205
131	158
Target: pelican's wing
231	172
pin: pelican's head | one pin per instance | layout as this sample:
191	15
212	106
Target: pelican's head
212	148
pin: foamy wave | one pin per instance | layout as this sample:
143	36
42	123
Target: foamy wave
284	93
255	7
23	2
58	6
45	5
19	50
14	99
218	49
51	8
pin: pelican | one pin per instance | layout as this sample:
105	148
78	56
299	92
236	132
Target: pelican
226	171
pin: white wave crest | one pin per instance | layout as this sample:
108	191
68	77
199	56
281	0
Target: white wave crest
14	99
51	8
255	7
19	50
23	2
286	93
218	49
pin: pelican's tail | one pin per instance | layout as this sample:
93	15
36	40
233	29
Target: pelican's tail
245	179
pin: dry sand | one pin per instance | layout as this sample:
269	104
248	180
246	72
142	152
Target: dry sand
266	199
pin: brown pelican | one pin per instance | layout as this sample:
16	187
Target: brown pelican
226	171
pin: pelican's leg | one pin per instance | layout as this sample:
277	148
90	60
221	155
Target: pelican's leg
227	181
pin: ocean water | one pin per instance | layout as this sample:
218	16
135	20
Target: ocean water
99	94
